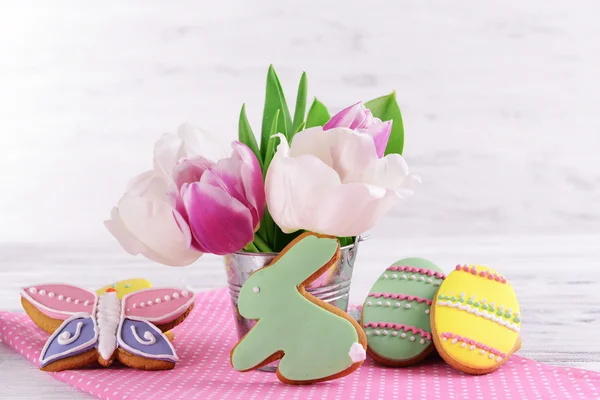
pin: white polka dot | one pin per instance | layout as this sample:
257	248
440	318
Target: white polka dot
51	294
32	290
42	292
387	304
175	295
68	300
167	298
158	300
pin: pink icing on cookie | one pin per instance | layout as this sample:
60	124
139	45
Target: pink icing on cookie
407	328
59	300
422	271
483	274
158	305
401	297
450	335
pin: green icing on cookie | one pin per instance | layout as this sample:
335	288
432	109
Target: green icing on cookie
395	311
316	343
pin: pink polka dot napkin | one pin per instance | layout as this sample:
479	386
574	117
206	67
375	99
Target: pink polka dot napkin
204	340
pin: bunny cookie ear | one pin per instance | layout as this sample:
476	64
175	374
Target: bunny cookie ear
306	255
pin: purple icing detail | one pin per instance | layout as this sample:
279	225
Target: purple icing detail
149	343
86	340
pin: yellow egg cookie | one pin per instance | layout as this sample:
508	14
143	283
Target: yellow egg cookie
475	319
125	287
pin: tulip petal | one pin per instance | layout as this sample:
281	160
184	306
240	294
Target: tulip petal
350	117
198	141
352	154
312	141
252	180
294	186
153	224
190	170
219	222
168	150
126	239
380	132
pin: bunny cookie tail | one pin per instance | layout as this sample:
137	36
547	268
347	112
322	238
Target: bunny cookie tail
357	352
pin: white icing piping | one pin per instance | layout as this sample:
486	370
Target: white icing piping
479	313
180	310
65	314
108	322
65	337
150	338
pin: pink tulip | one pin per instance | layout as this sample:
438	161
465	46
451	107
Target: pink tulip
222	202
360	119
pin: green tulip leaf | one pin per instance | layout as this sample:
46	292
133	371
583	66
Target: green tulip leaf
246	136
317	114
274	102
300	111
386	108
271	144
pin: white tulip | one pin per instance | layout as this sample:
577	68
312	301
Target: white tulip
333	182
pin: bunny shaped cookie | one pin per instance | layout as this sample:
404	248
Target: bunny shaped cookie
314	340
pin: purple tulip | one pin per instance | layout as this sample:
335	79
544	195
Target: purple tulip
359	118
222	202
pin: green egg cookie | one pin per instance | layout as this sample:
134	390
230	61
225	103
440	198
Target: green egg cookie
395	314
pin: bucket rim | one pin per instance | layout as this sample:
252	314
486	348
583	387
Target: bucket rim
274	254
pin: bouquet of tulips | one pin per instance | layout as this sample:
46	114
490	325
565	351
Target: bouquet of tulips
311	172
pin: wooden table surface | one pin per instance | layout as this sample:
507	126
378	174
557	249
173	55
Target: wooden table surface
556	278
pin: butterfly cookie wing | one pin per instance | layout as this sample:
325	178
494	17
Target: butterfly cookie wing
49	305
163	307
145	315
144	346
72	345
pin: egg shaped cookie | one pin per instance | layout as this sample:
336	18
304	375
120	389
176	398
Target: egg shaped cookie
475	319
396	312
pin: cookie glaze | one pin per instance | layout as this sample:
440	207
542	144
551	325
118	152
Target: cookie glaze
158	305
315	344
476	318
74	336
59	300
396	314
143	339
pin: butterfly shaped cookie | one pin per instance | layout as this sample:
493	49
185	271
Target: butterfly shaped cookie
87	328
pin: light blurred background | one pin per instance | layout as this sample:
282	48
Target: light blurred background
500	101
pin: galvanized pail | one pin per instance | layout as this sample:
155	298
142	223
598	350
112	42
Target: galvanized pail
332	287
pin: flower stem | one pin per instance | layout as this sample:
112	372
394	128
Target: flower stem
251	248
261	244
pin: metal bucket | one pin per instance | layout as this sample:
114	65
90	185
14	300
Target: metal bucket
332	287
